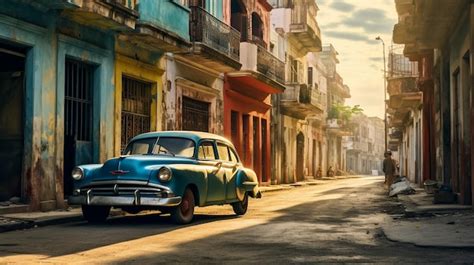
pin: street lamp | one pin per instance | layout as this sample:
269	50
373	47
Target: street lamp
384	91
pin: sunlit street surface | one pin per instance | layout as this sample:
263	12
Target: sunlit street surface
339	221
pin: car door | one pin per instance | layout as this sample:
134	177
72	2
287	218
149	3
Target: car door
207	157
230	164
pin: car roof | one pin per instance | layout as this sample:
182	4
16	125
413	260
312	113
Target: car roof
194	135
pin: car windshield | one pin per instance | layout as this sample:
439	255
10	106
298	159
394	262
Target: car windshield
173	146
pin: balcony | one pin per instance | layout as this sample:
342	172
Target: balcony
259	63
117	15
419	18
339	88
162	27
337	127
56	4
269	65
304	31
401	85
215	44
301	101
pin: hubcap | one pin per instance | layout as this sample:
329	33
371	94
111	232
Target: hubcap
186	204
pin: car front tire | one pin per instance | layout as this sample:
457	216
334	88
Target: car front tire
95	214
240	207
184	213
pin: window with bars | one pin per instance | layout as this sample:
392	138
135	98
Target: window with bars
136	108
78	100
195	115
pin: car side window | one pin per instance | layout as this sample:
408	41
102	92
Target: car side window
206	151
223	152
233	155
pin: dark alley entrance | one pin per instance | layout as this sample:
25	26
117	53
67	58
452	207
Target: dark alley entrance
12	94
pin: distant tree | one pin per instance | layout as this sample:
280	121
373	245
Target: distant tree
343	112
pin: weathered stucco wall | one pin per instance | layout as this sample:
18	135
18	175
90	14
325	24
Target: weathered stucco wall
166	14
125	66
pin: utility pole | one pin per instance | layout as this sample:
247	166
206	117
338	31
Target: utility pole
384	92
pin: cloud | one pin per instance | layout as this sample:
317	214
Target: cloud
350	36
330	25
371	20
342	6
375	59
375	67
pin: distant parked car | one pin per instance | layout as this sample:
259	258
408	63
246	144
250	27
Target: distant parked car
171	171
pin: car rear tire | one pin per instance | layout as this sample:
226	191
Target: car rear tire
240	207
95	214
184	212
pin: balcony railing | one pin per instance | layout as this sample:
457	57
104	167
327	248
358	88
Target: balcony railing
401	66
400	85
301	16
270	65
259	41
310	95
209	30
130	4
304	94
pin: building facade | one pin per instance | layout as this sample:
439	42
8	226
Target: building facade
84	77
337	92
443	49
365	147
247	93
297	113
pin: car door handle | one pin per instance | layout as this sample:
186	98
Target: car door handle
218	166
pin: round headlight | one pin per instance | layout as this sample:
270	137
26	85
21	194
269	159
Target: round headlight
164	174
77	173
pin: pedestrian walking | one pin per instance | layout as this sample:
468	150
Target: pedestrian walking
389	168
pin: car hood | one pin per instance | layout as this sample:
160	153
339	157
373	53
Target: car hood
136	167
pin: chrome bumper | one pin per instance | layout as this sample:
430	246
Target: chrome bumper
129	197
123	201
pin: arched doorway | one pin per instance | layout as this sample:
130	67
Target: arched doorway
257	30
238	18
300	156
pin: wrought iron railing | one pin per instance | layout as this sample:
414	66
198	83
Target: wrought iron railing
259	41
303	93
270	65
399	65
209	30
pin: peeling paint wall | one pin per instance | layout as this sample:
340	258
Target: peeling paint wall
185	78
50	40
169	15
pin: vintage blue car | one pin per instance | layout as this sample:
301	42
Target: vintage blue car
170	171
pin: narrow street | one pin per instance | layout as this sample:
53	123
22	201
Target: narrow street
334	222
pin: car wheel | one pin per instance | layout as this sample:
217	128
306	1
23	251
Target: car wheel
240	207
95	214
184	213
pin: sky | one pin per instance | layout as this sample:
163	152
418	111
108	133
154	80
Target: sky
352	26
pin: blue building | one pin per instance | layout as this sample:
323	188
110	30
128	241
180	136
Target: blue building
69	79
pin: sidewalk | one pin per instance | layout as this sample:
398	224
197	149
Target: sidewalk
431	225
307	182
26	220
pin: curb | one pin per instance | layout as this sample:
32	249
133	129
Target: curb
21	224
27	224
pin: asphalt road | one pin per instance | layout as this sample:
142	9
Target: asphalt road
334	222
